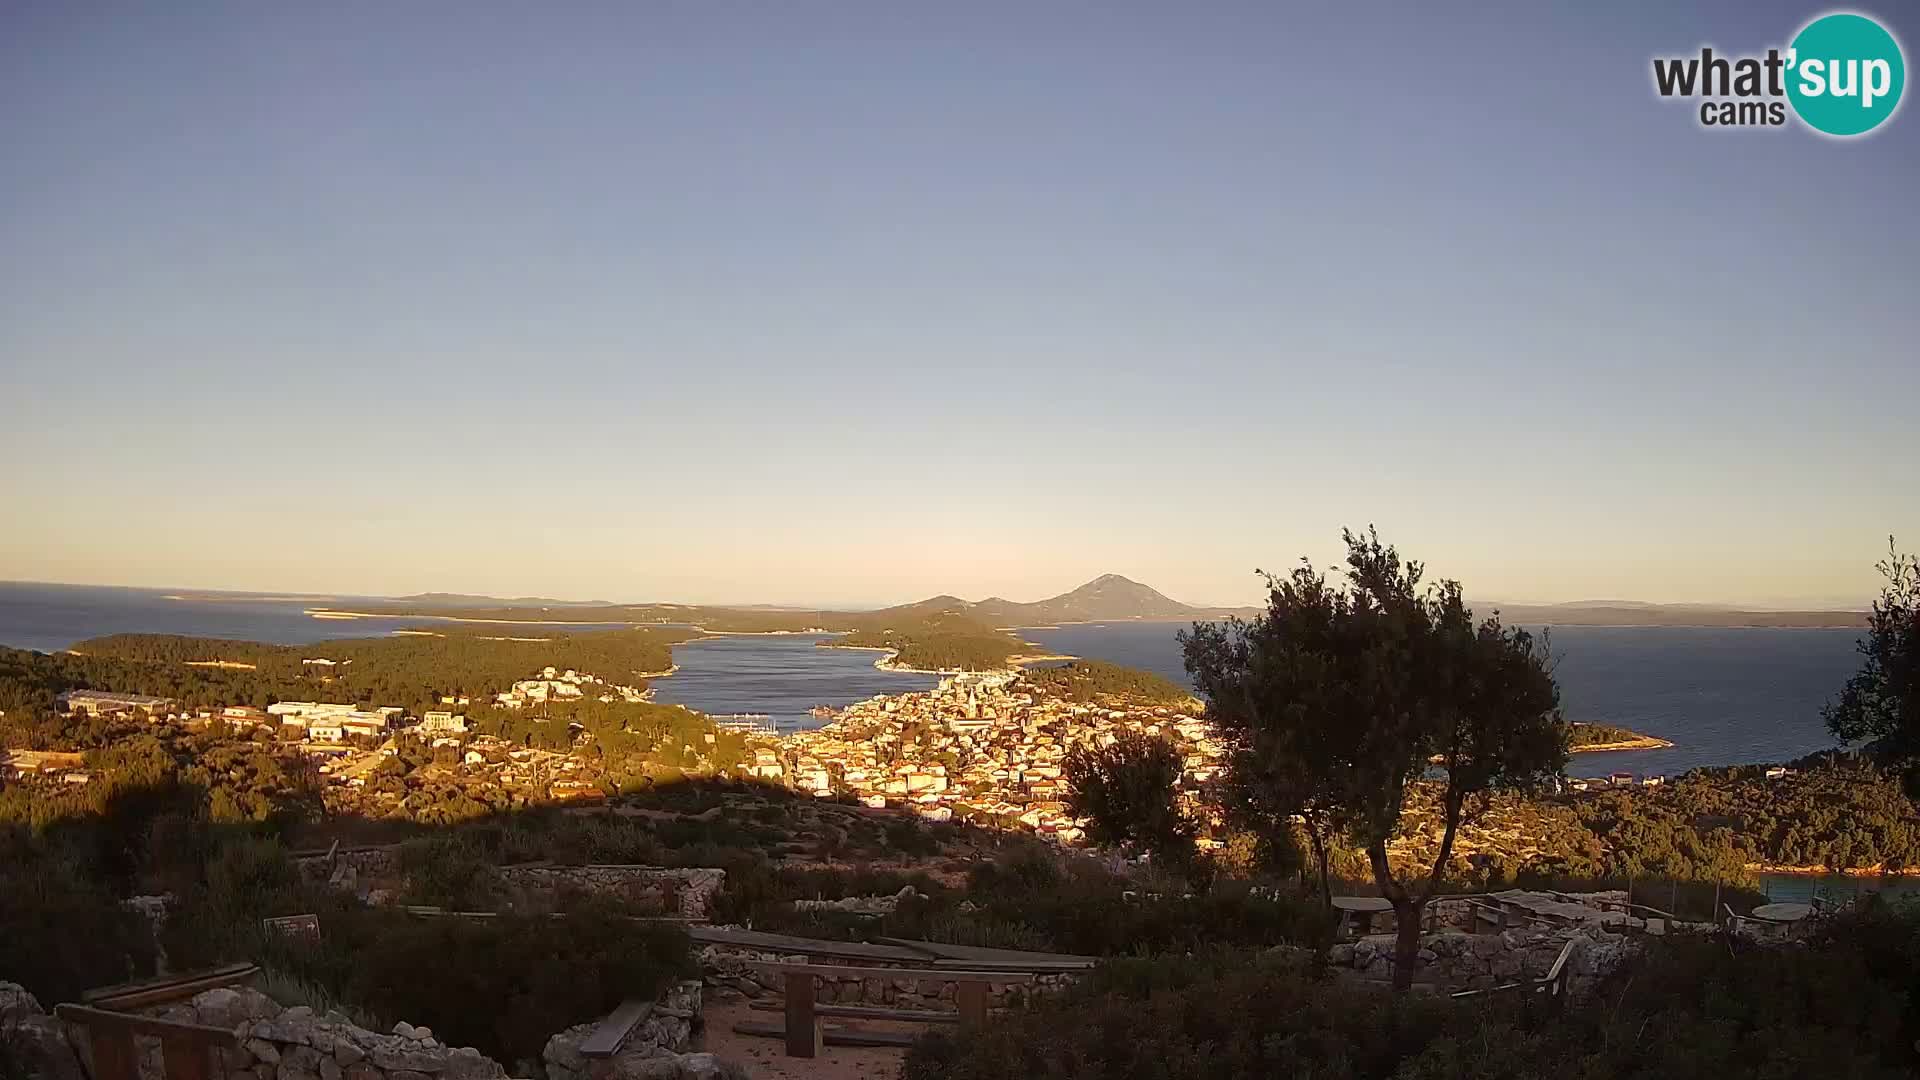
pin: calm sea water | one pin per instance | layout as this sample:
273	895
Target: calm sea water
779	675
1722	696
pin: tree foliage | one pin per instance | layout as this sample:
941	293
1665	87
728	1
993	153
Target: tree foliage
1128	792
1881	702
1339	698
1097	680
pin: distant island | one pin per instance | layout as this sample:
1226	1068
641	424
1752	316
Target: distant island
1586	737
1106	598
947	633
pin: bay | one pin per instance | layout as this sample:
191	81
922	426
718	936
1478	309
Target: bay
781	676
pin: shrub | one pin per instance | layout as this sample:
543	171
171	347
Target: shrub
62	933
1845	1004
502	985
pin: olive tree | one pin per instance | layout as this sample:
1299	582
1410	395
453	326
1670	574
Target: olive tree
1881	702
1340	698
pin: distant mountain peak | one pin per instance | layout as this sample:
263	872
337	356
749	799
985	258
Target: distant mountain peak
1109	596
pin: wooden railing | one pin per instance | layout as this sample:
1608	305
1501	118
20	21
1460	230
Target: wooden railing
186	1049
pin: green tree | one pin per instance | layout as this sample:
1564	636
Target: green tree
1340	698
1881	702
1127	792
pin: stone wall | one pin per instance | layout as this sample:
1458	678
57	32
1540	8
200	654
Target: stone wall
654	1051
687	892
352	871
729	973
1453	960
684	891
298	1044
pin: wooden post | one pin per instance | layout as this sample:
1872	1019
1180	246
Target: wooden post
803	1025
971	997
113	1057
183	1058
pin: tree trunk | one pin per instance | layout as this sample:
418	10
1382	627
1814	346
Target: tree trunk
1326	882
1406	945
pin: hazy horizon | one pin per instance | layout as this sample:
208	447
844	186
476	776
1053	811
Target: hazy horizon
704	304
842	604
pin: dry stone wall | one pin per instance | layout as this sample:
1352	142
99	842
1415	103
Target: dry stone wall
654	1051
729	972
684	891
298	1044
1455	960
374	873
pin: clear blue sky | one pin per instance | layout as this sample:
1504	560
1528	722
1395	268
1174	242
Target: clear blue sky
863	301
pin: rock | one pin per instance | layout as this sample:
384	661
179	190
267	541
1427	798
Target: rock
263	1071
264	1050
563	1049
347	1053
303	1058
1428	956
220	1007
361	1071
395	1055
423	1033
280	1031
36	1042
16	1003
700	1067
406	1074
403	1029
1485	945
329	1069
466	1063
1341	955
286	1073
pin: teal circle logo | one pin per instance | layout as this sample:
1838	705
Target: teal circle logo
1845	73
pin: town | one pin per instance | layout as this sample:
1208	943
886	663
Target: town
983	747
980	747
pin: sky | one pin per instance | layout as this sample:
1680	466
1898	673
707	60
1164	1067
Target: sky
852	302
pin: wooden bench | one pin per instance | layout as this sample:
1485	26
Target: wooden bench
603	1043
185	1049
805	1034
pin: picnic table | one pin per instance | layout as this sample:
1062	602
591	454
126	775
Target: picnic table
1781	913
1358	911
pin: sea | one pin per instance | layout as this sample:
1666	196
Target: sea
1722	696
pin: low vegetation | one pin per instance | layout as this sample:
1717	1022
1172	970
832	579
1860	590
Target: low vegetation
1846	1006
1097	681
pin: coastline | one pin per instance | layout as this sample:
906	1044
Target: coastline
1644	742
345	616
1827	871
886	663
